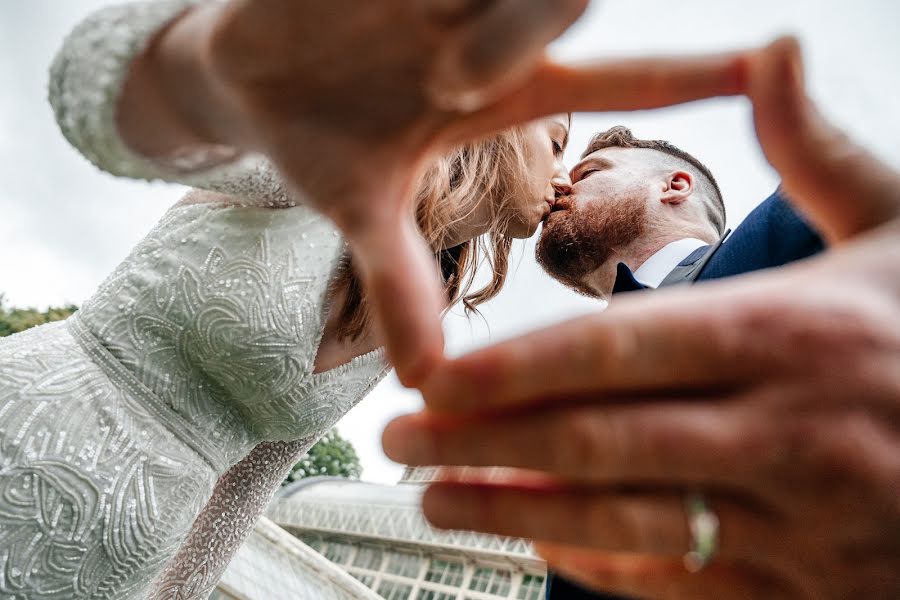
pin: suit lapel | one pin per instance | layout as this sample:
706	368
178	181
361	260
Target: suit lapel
690	269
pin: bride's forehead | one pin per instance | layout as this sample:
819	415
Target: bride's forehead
563	119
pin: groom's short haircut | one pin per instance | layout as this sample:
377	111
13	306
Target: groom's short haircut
621	137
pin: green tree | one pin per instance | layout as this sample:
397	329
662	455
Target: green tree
332	455
13	320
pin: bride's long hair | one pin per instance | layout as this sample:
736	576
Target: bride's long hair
493	170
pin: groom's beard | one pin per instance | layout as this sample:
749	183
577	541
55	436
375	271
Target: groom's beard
579	239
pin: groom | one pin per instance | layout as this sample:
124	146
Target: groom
643	214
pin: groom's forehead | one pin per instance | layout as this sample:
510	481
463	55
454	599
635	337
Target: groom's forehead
613	156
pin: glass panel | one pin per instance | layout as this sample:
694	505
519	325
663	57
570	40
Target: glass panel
532	586
405	564
434	595
366	580
446	572
393	590
337	552
313	541
492	581
368	557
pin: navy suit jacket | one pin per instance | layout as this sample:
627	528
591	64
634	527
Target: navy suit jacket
772	235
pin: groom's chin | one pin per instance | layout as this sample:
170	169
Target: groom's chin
557	259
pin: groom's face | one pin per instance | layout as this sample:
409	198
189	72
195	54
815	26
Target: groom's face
607	210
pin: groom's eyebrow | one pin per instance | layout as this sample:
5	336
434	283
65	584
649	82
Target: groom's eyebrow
597	163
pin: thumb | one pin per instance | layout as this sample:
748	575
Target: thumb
842	187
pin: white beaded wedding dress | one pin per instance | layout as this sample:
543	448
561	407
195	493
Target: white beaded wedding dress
141	439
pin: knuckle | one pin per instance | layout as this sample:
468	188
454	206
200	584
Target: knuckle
817	336
583	434
823	454
631	526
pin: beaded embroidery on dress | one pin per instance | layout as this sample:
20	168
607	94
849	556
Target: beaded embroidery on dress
117	426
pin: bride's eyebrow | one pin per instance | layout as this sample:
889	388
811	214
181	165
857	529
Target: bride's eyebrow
558	129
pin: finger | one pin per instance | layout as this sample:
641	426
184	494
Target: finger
653	577
496	47
617	85
649	443
642	523
640	346
404	293
843	187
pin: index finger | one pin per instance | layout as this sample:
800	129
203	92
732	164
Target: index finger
667	343
610	85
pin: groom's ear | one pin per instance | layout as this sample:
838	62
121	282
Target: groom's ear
677	187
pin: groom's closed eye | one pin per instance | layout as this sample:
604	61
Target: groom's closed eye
589	167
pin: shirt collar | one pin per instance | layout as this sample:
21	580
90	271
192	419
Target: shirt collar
657	267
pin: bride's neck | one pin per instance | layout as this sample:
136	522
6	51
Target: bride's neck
335	349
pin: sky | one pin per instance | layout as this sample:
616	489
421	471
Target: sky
64	225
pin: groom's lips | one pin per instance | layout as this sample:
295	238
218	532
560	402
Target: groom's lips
562	203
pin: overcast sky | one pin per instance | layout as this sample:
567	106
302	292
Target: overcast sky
64	225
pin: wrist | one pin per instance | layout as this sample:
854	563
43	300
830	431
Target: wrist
171	105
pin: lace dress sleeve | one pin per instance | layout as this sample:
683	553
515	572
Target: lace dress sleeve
86	80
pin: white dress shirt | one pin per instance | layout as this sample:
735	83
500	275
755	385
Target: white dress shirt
657	267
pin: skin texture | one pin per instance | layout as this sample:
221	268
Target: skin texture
776	394
373	89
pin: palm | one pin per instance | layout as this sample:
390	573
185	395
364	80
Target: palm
332	88
337	95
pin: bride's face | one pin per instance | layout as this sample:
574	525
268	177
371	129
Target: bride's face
544	143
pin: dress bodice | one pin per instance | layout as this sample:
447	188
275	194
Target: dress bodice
218	314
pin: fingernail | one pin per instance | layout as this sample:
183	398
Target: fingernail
409	444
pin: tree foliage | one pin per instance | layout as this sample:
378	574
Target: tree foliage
13	320
332	455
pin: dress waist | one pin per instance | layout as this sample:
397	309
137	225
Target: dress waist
123	379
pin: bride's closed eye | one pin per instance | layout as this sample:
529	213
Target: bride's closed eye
557	148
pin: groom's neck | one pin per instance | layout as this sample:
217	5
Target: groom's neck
602	281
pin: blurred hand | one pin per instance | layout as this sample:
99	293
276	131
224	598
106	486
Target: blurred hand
777	395
349	97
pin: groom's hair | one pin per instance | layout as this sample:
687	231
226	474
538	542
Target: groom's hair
621	137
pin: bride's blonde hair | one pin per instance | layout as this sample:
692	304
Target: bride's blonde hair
493	170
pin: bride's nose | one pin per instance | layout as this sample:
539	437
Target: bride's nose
562	184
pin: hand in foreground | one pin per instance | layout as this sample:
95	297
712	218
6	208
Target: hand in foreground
349	97
776	395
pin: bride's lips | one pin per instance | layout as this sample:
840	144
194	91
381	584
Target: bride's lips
551	202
